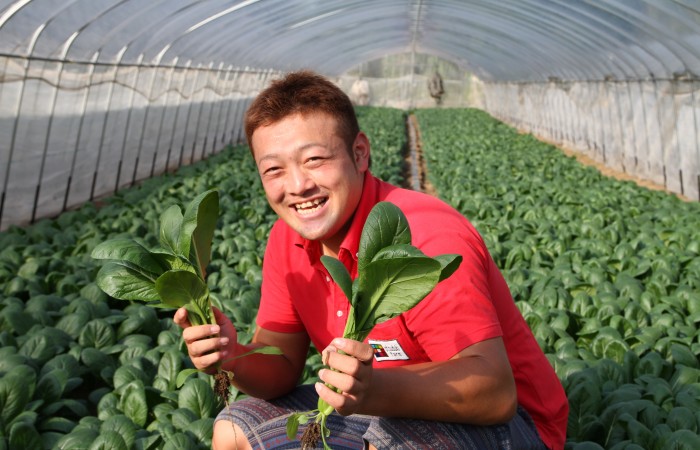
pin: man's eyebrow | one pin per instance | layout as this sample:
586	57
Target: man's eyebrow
299	149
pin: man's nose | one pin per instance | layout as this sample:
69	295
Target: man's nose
299	181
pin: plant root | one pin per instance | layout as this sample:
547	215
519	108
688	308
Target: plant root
311	435
222	383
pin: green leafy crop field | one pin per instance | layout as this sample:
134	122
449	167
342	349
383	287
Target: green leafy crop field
81	370
606	273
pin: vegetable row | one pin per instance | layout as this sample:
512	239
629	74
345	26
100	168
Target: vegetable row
606	273
81	370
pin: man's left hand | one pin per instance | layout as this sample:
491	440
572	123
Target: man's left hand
351	362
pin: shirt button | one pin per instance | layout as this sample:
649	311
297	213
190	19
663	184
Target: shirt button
339	313
328	279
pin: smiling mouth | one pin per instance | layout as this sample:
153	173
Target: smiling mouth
310	207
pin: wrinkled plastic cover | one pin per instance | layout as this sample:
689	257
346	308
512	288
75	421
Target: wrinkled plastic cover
502	40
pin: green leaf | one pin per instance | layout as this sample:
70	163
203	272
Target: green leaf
128	251
198	225
181	418
57	424
148	442
586	445
24	436
293	425
682	418
386	225
126	283
397	251
80	438
98	334
197	396
169	365
683	355
681	440
109	440
16	389
108	406
171	229
392	286
179	287
183	375
203	430
51	385
179	441
449	264
125	375
266	350
339	274
123	426
133	403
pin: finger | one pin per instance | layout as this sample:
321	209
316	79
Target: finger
361	351
180	318
340	380
207	361
196	333
207	346
224	322
347	364
326	354
339	402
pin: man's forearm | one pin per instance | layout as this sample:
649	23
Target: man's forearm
468	389
261	376
268	376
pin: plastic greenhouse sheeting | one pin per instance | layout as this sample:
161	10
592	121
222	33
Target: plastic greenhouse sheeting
98	94
500	40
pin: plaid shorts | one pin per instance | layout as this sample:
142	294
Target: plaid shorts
264	423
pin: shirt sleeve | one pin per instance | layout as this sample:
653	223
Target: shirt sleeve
277	312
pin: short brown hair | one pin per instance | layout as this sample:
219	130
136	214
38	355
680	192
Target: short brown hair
302	92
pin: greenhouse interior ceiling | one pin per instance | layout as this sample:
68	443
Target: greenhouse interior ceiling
96	95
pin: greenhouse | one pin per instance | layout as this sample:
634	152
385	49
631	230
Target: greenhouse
566	132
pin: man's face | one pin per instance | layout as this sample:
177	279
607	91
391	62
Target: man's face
309	177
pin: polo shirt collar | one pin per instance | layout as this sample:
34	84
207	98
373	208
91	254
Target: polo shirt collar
351	243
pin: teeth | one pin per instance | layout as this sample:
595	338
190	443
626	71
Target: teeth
309	207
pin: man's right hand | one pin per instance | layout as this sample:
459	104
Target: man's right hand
208	345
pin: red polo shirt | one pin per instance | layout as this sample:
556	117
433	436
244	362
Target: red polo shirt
473	305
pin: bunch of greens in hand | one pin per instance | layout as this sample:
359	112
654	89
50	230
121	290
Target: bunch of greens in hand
392	277
173	275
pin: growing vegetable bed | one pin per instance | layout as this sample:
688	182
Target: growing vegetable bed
81	370
606	273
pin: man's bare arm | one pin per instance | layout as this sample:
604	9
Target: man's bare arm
258	375
266	376
476	386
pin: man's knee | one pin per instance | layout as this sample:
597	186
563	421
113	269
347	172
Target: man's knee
229	436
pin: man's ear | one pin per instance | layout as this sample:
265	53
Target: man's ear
360	151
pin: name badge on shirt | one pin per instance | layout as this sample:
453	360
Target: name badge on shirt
387	350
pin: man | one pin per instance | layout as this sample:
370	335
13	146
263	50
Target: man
462	368
435	87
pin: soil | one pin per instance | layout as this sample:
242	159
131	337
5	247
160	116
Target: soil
426	186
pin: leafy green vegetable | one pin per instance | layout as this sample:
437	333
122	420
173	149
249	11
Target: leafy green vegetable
173	274
392	277
560	231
